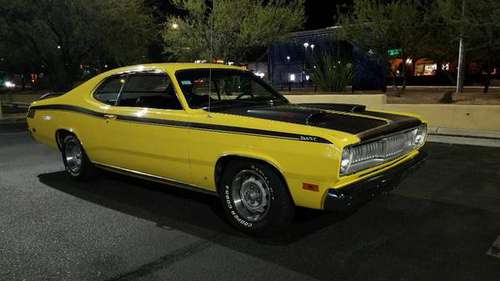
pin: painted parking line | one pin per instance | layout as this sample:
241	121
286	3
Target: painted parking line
494	251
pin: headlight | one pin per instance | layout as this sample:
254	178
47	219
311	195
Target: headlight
366	155
420	135
346	161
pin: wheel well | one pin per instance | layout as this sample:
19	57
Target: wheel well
223	161
60	135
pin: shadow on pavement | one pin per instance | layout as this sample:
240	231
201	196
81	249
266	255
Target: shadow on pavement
197	213
394	237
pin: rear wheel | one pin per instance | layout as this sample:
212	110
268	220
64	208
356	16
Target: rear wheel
76	162
255	198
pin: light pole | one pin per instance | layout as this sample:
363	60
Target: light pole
306	45
461	53
288	76
312	59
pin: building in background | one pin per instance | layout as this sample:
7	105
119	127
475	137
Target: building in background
290	61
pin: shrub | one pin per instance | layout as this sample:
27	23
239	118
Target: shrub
331	73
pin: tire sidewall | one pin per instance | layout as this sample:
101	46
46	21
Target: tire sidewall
276	189
81	171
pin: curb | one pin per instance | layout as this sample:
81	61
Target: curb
464	133
464	137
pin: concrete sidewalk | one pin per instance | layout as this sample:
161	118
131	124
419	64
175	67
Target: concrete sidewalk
465	136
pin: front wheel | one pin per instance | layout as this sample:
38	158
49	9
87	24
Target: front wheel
76	162
255	198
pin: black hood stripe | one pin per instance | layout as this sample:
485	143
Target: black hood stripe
349	118
199	126
349	122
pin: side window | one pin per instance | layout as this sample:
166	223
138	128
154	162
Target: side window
108	91
149	90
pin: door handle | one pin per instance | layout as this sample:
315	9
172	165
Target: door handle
110	116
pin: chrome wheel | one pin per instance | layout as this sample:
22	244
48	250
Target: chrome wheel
251	195
73	155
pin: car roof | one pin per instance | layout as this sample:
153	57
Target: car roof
169	67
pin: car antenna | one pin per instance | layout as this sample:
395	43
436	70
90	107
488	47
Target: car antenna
211	49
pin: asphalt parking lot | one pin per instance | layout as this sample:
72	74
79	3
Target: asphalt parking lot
439	225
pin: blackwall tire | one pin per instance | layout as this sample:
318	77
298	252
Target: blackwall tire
255	198
76	161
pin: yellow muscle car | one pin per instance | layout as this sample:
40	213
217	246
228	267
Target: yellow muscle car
222	130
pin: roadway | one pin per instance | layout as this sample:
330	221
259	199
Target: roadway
439	225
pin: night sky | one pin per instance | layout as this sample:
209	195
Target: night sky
319	15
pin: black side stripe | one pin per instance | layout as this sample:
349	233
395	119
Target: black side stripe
68	108
199	126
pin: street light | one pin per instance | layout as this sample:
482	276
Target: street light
59	46
175	25
306	45
288	68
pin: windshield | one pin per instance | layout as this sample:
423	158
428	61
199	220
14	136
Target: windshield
228	88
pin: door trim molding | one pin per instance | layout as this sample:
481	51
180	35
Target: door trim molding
155	178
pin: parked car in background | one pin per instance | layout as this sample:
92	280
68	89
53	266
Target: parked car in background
222	130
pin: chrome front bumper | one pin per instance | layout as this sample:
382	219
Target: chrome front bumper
361	191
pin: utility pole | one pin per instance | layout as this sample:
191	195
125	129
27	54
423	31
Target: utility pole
461	54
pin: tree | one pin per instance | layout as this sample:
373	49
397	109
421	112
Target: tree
58	36
239	26
443	44
379	26
480	28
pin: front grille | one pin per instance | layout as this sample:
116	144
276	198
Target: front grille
366	155
383	149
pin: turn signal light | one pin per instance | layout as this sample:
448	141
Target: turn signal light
310	187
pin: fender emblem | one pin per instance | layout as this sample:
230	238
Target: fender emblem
308	138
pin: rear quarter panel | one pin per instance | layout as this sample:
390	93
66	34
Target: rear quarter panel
46	122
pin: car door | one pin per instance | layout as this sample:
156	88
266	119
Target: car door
96	139
146	130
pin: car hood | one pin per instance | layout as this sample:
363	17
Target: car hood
353	119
